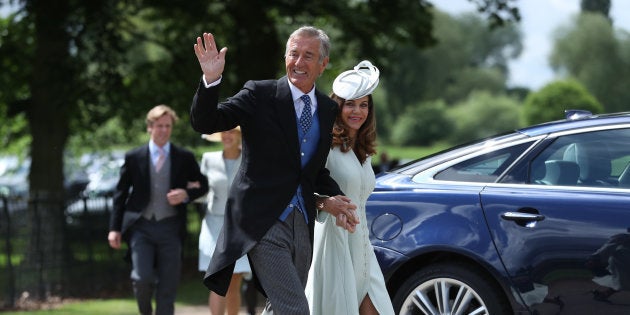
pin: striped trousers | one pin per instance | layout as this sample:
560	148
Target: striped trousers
281	261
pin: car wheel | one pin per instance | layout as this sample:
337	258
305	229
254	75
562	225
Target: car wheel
449	288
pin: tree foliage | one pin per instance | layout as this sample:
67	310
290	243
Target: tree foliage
550	102
590	51
469	56
421	125
483	115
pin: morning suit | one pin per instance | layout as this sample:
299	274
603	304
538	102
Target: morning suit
271	169
155	237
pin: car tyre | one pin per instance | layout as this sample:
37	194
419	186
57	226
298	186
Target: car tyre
449	288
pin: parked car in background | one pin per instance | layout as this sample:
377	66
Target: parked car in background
89	175
535	221
14	177
103	171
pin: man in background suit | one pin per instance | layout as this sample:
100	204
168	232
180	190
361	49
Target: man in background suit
156	183
271	206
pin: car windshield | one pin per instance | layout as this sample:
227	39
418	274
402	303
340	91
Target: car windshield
412	167
485	168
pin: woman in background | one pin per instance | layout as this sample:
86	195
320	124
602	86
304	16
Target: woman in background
220	168
345	277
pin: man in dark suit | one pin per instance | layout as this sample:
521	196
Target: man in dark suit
286	127
156	183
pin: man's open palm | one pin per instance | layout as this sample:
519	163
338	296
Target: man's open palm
211	61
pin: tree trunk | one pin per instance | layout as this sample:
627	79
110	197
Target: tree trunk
47	114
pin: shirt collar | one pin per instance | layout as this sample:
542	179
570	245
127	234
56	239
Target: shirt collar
296	94
153	148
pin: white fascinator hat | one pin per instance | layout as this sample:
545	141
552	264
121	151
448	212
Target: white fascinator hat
358	82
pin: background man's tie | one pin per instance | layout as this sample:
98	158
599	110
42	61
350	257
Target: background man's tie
160	161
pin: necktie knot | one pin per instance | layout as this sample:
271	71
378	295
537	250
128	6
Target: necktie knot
306	117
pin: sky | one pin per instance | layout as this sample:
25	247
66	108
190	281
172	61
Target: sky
539	19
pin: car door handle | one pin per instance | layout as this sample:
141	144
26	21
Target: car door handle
522	216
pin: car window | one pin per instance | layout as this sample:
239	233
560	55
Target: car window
485	168
592	159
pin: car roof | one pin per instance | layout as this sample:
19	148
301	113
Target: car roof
579	120
576	119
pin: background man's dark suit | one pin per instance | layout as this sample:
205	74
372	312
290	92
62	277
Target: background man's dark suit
156	182
135	173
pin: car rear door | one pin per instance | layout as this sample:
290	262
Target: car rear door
566	261
564	237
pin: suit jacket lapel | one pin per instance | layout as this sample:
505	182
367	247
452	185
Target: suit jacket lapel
286	113
144	166
144	162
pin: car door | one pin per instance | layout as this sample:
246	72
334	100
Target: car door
564	235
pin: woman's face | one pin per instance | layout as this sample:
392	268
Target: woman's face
231	138
354	113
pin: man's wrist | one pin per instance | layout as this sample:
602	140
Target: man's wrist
210	84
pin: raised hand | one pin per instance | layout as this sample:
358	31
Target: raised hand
210	59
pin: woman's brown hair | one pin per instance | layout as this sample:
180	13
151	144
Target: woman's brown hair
365	143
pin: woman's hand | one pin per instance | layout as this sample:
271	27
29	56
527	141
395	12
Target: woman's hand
343	209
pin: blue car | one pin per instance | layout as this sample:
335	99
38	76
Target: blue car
536	221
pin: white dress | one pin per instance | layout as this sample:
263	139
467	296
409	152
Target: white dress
220	173
344	267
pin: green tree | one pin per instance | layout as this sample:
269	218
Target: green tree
550	102
469	56
421	125
483	115
593	53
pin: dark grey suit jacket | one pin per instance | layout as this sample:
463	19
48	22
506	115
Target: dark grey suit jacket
270	170
134	188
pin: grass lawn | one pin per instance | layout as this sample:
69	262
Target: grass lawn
190	292
92	307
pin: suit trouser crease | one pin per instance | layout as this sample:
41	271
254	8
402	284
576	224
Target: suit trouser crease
156	258
281	261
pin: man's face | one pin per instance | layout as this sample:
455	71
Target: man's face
161	129
302	62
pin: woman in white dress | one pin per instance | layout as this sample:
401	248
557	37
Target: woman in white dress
345	277
220	168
